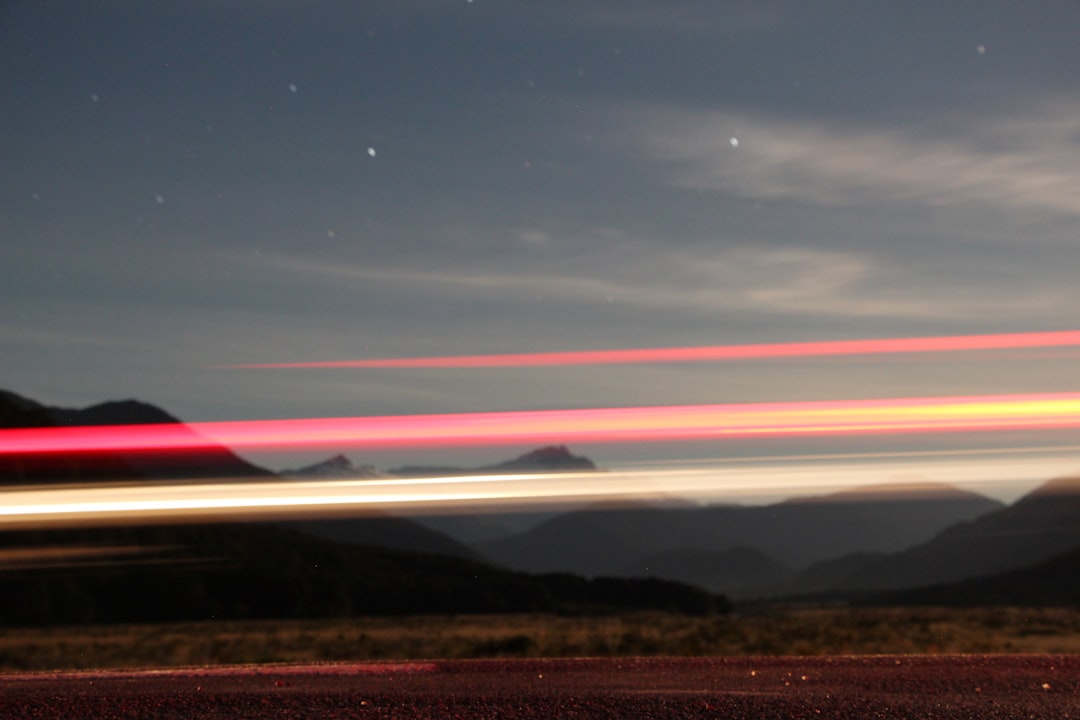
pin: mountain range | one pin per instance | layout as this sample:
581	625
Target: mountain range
1040	525
554	458
385	565
338	466
866	542
876	540
747	550
465	528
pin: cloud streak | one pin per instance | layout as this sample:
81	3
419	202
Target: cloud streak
793	282
1027	162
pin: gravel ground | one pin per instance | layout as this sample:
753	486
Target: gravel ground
857	687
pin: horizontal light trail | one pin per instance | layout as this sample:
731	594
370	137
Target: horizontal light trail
60	556
894	455
97	504
602	425
715	353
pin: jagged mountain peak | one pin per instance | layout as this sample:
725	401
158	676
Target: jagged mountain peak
338	466
551	457
339	460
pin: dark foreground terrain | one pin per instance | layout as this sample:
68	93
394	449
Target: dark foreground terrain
943	686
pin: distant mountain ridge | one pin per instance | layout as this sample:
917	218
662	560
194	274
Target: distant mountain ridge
1040	525
917	537
257	570
1052	582
463	527
743	571
790	536
337	466
553	458
370	528
373	528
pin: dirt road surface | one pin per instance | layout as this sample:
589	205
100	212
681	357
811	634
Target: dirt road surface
857	687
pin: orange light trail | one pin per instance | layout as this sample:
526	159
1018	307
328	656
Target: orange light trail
715	353
599	425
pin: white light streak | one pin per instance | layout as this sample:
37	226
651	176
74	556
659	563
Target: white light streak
734	481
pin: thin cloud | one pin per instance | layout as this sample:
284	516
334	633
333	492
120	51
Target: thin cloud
1021	163
792	282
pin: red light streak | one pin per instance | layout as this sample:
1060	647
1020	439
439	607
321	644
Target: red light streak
709	353
599	425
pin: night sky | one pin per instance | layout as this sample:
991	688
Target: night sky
190	185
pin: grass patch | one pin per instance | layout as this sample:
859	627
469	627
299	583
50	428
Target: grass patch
828	631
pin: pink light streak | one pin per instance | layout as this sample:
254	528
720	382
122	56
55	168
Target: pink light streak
714	353
598	425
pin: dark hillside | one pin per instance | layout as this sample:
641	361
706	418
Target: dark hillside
373	528
191	572
215	462
1040	525
19	412
692	544
252	571
1052	583
381	530
739	572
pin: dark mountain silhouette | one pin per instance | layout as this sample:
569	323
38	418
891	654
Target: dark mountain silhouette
464	528
211	462
242	570
254	571
431	533
374	528
337	466
793	534
1042	524
115	412
546	459
475	528
554	458
741	571
377	529
17	411
825	576
1053	582
20	412
602	539
870	539
877	518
